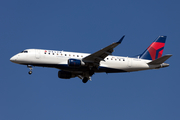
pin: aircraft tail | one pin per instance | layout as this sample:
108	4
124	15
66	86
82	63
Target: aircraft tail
155	50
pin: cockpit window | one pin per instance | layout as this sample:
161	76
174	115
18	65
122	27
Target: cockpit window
24	51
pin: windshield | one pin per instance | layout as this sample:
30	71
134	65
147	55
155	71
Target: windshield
24	51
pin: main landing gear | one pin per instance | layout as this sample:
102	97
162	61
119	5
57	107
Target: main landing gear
86	76
30	67
85	79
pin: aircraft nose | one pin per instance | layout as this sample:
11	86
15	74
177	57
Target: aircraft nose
13	58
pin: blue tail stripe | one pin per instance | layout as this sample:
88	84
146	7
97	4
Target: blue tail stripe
145	55
157	52
161	39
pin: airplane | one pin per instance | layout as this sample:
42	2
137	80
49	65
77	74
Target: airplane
83	65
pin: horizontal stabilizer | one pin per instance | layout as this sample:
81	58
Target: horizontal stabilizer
160	60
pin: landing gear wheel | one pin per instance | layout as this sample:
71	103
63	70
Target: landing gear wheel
30	67
30	72
85	80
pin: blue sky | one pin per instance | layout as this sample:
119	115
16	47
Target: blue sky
87	26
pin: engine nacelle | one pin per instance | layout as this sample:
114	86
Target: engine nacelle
75	63
65	75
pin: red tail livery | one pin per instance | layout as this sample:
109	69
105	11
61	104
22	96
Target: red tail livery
155	50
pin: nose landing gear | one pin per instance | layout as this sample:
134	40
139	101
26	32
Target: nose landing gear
30	67
30	72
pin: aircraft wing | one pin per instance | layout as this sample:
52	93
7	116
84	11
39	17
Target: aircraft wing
95	58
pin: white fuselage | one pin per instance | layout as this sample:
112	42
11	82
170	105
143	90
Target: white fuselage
59	59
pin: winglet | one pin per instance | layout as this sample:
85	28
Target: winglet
121	39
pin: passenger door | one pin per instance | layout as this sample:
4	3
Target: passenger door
38	55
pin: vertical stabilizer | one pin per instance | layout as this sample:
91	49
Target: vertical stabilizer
155	50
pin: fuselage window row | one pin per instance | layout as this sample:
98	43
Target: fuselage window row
62	54
116	59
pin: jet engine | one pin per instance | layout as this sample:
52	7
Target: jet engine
66	75
75	63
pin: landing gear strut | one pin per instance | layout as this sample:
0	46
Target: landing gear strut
30	67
